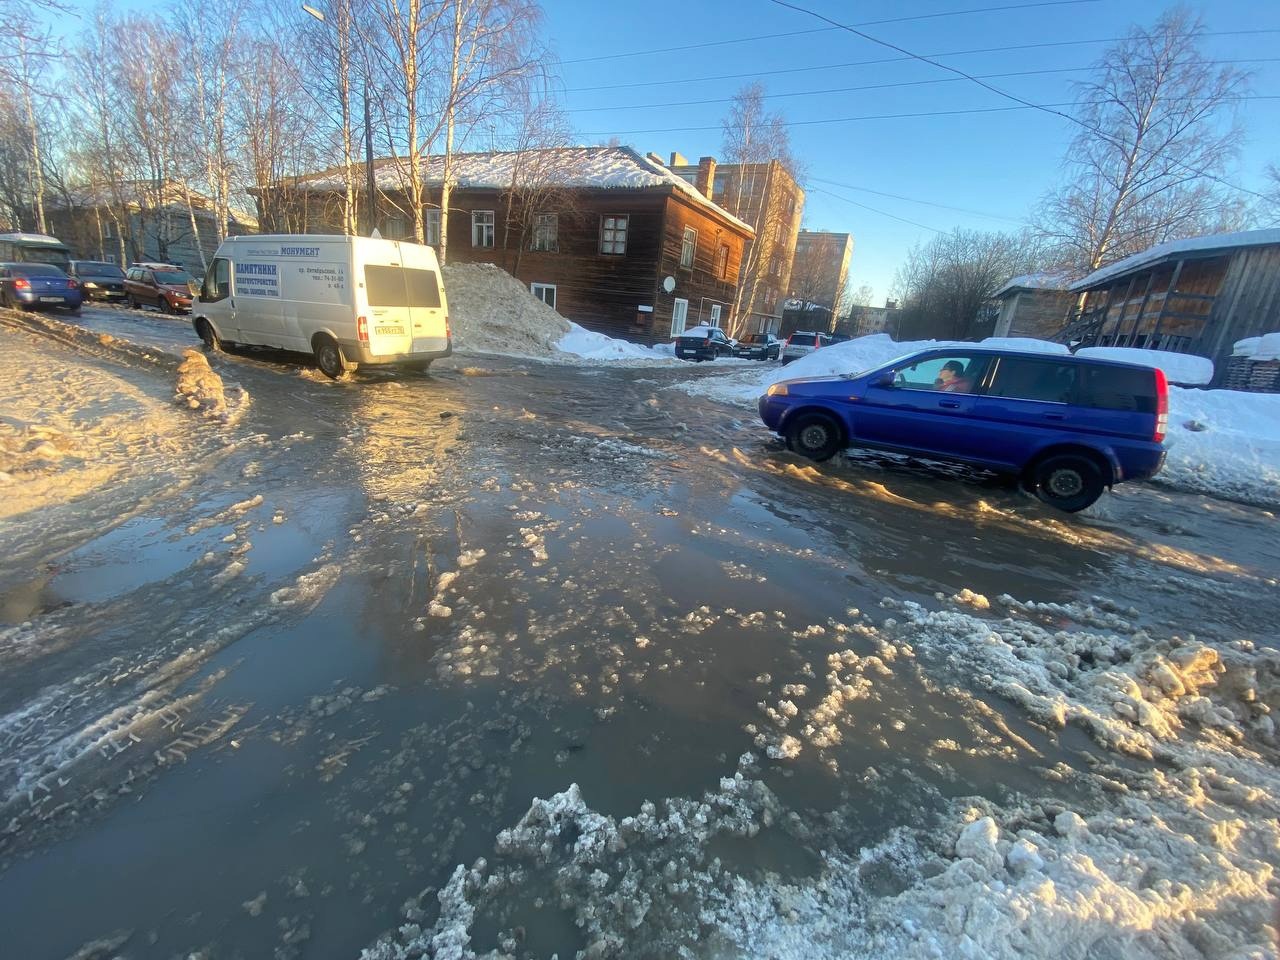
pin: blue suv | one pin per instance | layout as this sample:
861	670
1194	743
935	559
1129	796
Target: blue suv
1067	426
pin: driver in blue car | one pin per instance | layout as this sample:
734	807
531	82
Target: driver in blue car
951	378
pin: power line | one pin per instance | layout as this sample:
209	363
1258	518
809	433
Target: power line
927	203
883	213
1043	107
864	63
1046	108
871	86
800	33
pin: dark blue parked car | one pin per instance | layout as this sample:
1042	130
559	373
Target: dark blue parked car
1066	426
28	285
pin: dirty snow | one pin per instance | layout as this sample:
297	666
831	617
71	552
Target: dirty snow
200	388
1172	857
493	312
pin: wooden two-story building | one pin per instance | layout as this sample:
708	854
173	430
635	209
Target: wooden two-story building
610	239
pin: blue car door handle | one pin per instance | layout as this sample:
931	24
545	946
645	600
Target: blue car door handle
949	404
1055	416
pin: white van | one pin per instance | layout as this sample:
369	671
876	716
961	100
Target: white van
346	300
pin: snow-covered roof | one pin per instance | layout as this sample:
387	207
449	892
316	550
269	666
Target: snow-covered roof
1035	281
32	238
600	168
1173	248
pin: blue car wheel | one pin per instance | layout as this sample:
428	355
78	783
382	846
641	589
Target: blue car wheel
814	435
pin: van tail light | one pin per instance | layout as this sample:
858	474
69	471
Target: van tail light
448	330
1162	406
21	283
362	329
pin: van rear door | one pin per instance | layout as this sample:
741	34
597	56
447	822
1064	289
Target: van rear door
389	323
427	305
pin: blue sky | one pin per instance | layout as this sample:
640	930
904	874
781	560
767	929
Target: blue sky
997	164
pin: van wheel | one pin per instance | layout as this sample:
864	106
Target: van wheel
330	360
814	435
1068	481
209	335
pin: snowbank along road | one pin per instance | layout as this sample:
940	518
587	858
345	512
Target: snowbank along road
520	659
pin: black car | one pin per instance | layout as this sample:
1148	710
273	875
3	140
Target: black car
98	280
758	346
703	343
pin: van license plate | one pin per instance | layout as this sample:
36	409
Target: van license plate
51	299
389	331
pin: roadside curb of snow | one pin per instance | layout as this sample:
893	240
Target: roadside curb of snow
194	388
102	345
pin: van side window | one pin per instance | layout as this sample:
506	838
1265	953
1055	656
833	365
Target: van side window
1044	380
217	282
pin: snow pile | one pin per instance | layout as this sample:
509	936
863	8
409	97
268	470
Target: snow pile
1224	442
31	448
493	312
1184	368
1165	850
200	388
1265	347
581	342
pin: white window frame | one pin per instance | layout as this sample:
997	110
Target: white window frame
106	230
679	315
613	239
688	247
480	230
539	290
715	315
397	227
545	241
431	227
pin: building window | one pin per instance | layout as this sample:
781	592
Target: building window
715	314
546	233
722	261
482	228
679	317
395	228
546	292
106	231
688	246
613	235
774	268
109	258
431	227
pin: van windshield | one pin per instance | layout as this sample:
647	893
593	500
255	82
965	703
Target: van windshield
401	286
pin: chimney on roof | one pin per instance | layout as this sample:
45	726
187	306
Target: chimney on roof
706	180
678	160
655	158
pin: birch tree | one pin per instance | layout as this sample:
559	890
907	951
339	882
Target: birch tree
754	137
1158	127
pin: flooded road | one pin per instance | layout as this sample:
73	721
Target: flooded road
269	711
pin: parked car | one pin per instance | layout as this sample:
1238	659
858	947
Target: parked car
703	343
802	343
164	286
345	300
1067	426
98	280
759	346
25	286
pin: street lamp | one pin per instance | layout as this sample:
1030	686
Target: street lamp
368	130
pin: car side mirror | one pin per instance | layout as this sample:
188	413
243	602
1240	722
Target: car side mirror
883	379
